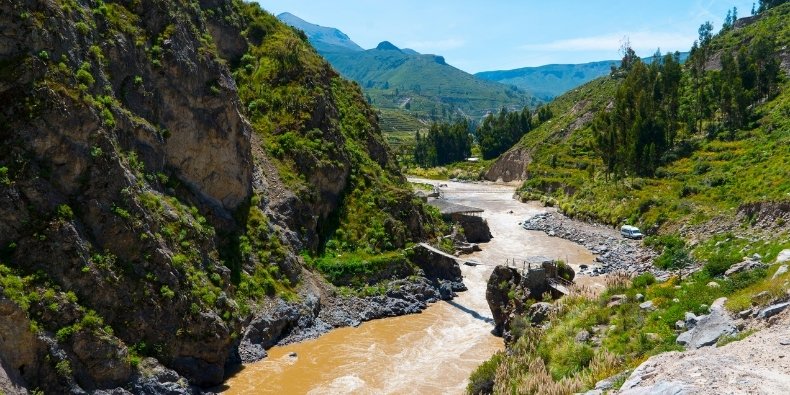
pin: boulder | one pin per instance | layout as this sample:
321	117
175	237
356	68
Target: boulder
784	256
616	300
748	263
437	266
475	228
772	310
582	336
782	270
708	328
647	305
540	311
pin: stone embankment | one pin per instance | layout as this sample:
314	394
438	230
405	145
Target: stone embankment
613	252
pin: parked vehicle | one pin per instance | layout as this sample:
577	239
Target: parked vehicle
631	232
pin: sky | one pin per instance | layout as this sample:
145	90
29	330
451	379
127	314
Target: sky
507	34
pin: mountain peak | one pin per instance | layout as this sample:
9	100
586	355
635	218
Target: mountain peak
387	46
323	38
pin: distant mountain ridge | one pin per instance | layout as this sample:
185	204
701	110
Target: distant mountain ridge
322	38
421	85
552	80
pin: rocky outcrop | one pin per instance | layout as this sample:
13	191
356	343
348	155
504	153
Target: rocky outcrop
436	264
503	280
475	228
756	364
20	350
511	166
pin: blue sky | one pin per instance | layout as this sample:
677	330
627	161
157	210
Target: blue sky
505	34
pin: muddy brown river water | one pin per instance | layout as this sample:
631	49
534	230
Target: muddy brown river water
429	353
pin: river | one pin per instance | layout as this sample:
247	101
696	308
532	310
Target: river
428	353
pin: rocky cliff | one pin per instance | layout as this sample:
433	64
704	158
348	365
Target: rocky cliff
161	166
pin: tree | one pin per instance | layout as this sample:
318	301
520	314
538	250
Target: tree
445	143
497	134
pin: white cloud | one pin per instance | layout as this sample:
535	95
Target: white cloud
435	46
640	41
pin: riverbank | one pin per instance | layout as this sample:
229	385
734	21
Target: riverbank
614	253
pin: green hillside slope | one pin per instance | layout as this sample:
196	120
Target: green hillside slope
706	176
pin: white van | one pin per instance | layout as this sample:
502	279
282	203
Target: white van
630	232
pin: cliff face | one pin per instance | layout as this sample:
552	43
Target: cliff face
150	204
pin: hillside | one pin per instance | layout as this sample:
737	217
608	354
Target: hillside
707	177
424	86
711	193
177	180
549	81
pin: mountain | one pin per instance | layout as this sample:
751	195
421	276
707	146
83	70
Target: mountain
549	81
422	85
172	199
324	39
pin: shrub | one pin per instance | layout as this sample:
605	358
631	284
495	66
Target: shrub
108	118
4	176
719	263
82	28
167	292
85	77
63	368
65	212
643	280
96	152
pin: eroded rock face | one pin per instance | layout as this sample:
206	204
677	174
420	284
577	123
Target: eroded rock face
19	349
437	265
96	149
512	165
